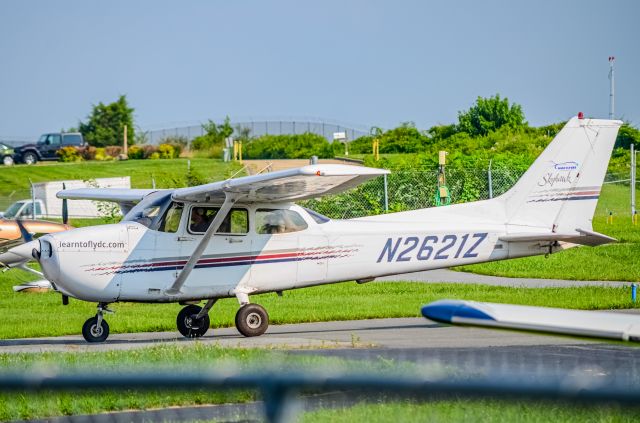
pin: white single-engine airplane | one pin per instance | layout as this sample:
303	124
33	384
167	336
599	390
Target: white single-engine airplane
245	236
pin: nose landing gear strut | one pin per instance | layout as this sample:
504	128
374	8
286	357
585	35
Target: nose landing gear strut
96	329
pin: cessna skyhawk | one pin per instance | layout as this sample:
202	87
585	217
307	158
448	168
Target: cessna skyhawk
246	236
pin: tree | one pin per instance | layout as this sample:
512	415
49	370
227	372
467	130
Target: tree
214	135
105	124
489	114
628	135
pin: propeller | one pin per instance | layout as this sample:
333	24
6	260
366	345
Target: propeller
24	232
65	208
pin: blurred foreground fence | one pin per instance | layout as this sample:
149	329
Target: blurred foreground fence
279	391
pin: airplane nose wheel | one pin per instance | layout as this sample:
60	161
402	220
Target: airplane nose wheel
189	324
96	329
252	320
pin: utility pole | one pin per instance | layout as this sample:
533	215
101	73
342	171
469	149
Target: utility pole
611	88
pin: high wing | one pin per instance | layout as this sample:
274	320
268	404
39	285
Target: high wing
581	236
286	185
590	324
126	198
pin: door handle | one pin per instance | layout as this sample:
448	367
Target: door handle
185	238
234	240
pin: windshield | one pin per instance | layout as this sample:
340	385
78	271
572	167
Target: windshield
42	139
148	211
13	209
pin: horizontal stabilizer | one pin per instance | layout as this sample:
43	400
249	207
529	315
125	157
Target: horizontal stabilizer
116	195
581	236
126	198
592	324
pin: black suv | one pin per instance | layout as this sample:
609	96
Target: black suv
47	146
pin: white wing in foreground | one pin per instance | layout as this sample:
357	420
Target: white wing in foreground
592	324
286	185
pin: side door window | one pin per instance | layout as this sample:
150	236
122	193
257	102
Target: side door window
27	210
71	139
276	221
236	222
53	144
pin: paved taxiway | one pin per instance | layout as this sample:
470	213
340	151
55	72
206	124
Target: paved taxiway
376	333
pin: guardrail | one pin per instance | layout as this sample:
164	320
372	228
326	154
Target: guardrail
279	389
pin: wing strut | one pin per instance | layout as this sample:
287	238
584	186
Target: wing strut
230	199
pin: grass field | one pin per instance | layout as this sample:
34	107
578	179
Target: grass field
472	411
618	261
14	180
345	301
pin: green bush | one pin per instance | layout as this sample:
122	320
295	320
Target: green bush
166	151
100	154
136	152
69	154
214	135
179	143
301	146
154	156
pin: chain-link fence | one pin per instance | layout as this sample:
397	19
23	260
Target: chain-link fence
264	127
410	190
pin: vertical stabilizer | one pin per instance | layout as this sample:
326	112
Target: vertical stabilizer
560	190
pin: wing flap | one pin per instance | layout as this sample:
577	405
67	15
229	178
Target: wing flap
285	185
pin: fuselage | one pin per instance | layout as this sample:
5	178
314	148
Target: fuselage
258	252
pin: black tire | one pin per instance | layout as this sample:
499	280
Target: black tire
93	333
188	326
252	320
7	160
30	158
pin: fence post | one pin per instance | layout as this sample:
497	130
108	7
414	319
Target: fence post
490	180
33	202
386	194
633	181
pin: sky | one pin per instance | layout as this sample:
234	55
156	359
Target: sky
361	62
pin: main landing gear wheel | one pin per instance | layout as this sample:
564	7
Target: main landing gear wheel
188	324
252	320
94	330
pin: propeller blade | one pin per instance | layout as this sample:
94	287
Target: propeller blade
65	208
23	231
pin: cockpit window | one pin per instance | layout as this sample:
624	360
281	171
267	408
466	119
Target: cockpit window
277	221
319	218
236	221
171	221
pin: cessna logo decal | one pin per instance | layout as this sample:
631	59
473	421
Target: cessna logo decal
565	166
